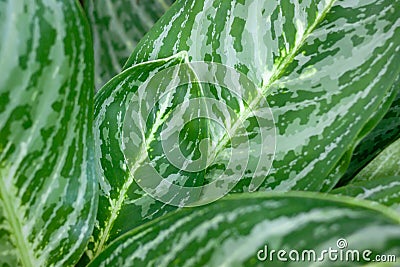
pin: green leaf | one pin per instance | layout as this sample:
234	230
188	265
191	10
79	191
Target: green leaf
232	231
327	67
140	135
324	90
384	122
385	133
48	191
118	203
386	164
117	26
386	191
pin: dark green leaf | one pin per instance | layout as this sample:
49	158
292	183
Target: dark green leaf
118	209
327	70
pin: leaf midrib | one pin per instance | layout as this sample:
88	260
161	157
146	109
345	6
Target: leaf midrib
275	77
122	193
264	90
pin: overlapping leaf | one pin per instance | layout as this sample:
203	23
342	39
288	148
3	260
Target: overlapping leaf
232	231
48	192
141	133
117	26
327	65
118	211
386	164
327	69
383	190
385	133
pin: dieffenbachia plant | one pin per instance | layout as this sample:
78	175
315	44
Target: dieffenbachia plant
326	59
329	70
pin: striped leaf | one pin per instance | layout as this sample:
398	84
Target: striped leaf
385	133
386	164
48	191
327	67
386	191
327	75
117	26
167	135
118	209
232	231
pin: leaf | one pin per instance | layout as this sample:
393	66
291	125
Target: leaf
117	26
48	191
232	231
153	126
120	194
327	67
385	133
324	89
384	165
320	109
385	190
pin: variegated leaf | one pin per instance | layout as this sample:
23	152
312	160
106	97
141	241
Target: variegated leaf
383	190
48	190
385	133
118	209
167	135
386	164
232	231
117	26
326	65
324	88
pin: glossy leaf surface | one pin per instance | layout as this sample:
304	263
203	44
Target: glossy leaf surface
158	139
117	205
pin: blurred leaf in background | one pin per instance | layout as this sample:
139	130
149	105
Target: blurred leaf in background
117	26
